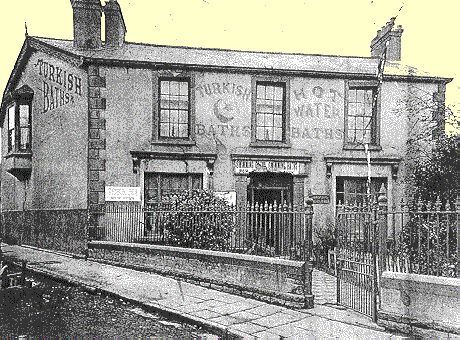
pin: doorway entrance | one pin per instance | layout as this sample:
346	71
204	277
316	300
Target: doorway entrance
270	189
270	224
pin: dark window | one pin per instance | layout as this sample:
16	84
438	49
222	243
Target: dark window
159	187
19	127
353	190
270	111
174	108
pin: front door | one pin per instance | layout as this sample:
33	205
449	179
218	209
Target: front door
268	195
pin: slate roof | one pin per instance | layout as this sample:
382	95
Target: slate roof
233	59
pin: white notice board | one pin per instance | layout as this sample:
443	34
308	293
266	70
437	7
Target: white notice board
122	194
229	196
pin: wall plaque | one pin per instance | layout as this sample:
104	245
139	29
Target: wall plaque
247	166
120	194
321	199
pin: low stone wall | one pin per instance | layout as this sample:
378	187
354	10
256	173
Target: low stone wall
419	303
269	279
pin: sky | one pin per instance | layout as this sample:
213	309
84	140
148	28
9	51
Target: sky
335	27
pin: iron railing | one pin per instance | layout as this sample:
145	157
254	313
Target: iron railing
267	230
424	239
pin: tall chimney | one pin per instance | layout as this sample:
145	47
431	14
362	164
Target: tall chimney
385	34
86	24
115	29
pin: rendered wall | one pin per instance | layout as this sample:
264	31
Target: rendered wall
59	138
223	125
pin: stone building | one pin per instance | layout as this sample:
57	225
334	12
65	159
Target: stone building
81	116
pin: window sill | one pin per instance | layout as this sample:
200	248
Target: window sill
269	144
22	153
361	147
178	142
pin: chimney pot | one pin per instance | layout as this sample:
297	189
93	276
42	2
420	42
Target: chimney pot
394	38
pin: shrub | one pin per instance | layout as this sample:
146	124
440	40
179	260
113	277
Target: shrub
325	240
198	219
428	248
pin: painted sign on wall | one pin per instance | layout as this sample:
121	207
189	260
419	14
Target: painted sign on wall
317	110
59	86
122	194
247	166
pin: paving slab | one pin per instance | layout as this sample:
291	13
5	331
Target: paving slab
240	316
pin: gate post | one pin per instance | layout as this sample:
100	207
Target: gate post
307	254
382	229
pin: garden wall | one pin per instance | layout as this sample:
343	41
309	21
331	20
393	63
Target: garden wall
414	301
270	279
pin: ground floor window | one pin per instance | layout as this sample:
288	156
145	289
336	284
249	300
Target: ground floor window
353	190
159	187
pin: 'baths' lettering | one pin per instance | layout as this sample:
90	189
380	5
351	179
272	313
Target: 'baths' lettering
245	131
223	130
316	133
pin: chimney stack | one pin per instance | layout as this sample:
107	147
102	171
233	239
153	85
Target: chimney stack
87	23
115	29
385	34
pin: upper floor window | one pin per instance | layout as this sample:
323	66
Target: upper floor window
270	113
361	116
174	108
19	120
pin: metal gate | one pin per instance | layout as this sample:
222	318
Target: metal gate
356	259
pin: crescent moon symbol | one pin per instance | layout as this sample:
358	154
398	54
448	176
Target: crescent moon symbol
220	116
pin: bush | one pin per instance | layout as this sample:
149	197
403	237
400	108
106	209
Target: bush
198	219
429	248
325	241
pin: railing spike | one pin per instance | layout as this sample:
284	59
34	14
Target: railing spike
438	204
448	205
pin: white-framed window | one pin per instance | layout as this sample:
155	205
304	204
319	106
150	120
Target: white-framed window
174	108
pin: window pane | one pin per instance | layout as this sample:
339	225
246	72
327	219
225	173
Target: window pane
184	89
260	119
278	121
183	117
183	130
268	120
174	88
352	109
11	115
164	117
183	103
278	93
173	116
360	96
260	133
25	138
174	102
23	115
164	87
164	129
352	96
260	91
269	92
278	134
278	108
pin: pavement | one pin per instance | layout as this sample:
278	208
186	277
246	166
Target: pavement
225	313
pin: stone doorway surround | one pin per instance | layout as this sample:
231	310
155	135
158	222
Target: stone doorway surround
246	161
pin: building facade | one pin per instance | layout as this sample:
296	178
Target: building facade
84	115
